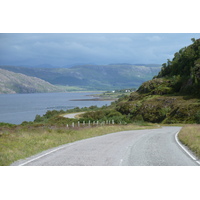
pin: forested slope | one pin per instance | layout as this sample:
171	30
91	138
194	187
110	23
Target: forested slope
173	95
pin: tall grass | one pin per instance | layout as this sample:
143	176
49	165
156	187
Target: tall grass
21	142
190	136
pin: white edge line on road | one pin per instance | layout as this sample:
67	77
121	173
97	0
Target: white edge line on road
41	156
58	148
177	140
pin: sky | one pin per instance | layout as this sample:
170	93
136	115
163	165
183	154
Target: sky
65	49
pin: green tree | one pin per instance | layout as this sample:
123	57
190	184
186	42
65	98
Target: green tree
193	40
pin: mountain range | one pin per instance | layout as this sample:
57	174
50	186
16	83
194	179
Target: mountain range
92	77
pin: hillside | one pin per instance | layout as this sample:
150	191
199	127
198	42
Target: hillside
11	82
93	77
182	74
173	95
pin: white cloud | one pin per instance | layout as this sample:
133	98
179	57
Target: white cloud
154	38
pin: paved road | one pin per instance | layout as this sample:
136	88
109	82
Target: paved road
154	147
72	115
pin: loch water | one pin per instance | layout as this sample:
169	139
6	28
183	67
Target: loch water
16	108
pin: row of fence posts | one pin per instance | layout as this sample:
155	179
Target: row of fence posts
94	123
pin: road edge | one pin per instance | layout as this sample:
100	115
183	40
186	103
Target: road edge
193	157
23	162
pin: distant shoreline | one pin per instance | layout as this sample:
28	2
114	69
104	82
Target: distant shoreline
96	99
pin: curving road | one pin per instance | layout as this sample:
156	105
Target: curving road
153	147
72	115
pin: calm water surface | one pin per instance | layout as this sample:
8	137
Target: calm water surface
16	108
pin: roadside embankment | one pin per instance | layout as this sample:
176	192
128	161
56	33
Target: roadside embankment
190	136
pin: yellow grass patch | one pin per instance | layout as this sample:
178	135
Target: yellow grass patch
190	136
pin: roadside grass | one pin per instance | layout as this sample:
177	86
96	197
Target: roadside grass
190	136
21	142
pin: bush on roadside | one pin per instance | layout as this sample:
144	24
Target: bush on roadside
197	117
106	115
2	124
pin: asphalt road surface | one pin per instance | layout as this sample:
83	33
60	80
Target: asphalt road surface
153	147
72	115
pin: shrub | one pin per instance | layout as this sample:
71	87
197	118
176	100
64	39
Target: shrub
38	118
197	117
138	118
106	115
60	121
25	123
94	115
2	124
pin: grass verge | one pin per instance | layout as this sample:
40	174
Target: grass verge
190	136
22	142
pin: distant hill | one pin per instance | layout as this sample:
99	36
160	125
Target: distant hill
11	82
93	77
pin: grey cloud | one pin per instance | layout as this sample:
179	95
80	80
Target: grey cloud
63	49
